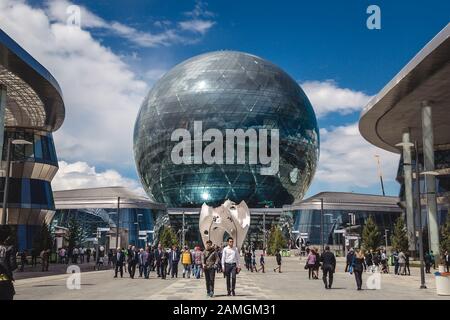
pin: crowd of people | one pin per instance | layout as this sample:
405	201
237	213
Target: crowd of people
208	261
197	263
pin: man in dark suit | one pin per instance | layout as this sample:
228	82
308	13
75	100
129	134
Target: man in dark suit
158	254
328	267
120	259
164	260
174	259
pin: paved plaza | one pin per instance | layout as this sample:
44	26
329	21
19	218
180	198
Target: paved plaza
292	283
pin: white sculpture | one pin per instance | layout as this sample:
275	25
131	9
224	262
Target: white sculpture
229	217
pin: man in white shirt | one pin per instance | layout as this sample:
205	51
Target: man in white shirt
231	265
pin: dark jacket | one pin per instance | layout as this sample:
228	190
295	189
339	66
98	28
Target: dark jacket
174	259
350	257
164	257
8	261
358	264
210	258
328	261
278	257
158	256
121	258
130	255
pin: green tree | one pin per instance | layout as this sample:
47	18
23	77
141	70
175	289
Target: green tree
370	235
445	235
168	238
276	240
399	237
43	239
75	234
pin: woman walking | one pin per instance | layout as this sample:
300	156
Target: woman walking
357	267
311	263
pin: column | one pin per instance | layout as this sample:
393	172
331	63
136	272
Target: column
2	116
430	180
2	128
407	172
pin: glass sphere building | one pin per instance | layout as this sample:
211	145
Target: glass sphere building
226	90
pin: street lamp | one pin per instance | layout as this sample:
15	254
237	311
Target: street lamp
386	237
117	223
380	174
321	223
7	173
418	208
138	228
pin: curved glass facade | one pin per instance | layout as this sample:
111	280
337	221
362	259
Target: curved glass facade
132	220
442	165
42	150
309	221
226	90
28	193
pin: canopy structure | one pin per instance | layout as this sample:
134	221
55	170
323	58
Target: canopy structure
398	105
34	99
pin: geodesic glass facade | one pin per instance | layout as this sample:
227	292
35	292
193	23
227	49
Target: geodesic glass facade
226	90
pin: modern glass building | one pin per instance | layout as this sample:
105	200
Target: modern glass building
139	219
409	116
31	108
344	216
342	219
226	90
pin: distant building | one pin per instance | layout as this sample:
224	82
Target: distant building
344	216
95	208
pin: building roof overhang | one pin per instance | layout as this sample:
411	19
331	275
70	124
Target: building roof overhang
397	107
34	98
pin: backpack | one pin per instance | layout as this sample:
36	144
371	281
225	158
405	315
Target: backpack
8	258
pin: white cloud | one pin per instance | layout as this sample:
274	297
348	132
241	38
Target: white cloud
80	175
196	25
327	97
57	11
347	160
101	93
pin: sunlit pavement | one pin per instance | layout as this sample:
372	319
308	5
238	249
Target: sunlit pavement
292	283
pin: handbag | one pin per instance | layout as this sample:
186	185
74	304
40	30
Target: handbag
306	266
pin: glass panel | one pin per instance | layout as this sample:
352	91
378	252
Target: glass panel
37	146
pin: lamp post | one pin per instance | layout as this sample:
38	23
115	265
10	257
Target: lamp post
264	231
138	228
321	223
183	233
418	208
385	237
118	221
7	173
380	174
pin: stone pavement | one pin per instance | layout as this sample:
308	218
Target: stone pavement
292	283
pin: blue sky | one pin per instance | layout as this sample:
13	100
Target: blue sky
127	45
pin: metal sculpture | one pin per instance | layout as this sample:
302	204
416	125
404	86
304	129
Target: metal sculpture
229	217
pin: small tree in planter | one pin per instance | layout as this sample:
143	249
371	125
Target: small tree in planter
400	236
370	235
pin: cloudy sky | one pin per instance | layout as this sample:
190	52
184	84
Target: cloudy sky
106	67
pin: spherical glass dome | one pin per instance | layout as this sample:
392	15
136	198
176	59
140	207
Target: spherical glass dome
226	90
